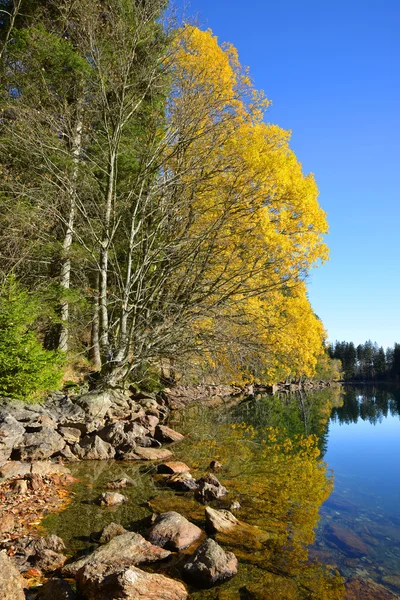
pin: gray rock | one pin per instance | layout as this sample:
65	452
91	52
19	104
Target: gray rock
14	468
48	468
47	560
70	434
93	448
182	482
210	564
56	589
109	532
39	445
47	542
11	434
95	406
124	550
112	582
11	582
173	531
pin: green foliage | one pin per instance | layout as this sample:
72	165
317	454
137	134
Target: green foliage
26	369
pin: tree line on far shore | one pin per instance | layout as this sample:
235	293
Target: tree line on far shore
368	361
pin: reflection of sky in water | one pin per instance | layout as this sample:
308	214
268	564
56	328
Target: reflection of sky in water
366	461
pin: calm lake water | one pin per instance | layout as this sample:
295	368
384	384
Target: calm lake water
317	478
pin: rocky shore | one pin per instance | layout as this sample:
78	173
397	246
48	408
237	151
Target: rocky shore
168	555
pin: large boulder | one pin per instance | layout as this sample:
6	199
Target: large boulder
11	582
210	564
124	551
167	435
112	582
173	531
92	447
11	434
39	445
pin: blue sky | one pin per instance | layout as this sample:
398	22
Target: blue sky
332	72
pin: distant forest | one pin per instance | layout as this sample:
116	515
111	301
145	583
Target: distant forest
367	361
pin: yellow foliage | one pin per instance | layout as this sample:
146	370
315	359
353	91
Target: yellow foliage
247	187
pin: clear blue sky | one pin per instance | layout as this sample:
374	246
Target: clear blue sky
332	72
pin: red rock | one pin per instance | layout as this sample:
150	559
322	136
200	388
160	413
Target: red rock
348	540
365	589
167	435
153	453
171	530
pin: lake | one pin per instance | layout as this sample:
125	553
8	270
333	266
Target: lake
317	478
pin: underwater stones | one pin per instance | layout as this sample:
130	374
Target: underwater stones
173	531
111	499
347	539
11	582
105	582
167	435
171	467
220	520
210	564
118	484
209	489
122	551
365	589
272	586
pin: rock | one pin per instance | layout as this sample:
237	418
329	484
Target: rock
215	465
153	453
210	564
114	434
109	532
107	582
95	406
111	499
149	422
121	405
70	434
123	551
35	481
348	540
56	589
14	468
11	582
220	520
171	530
93	448
166	435
7	523
182	482
209	489
66	454
67	413
172	466
147	442
11	434
235	505
47	542
20	486
118	484
365	589
48	560
39	445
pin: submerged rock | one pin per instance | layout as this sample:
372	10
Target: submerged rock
272	586
182	482
220	520
119	484
109	532
111	499
11	582
210	564
105	582
365	589
348	540
209	489
171	530
123	551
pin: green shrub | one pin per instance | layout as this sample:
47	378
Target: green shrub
26	369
